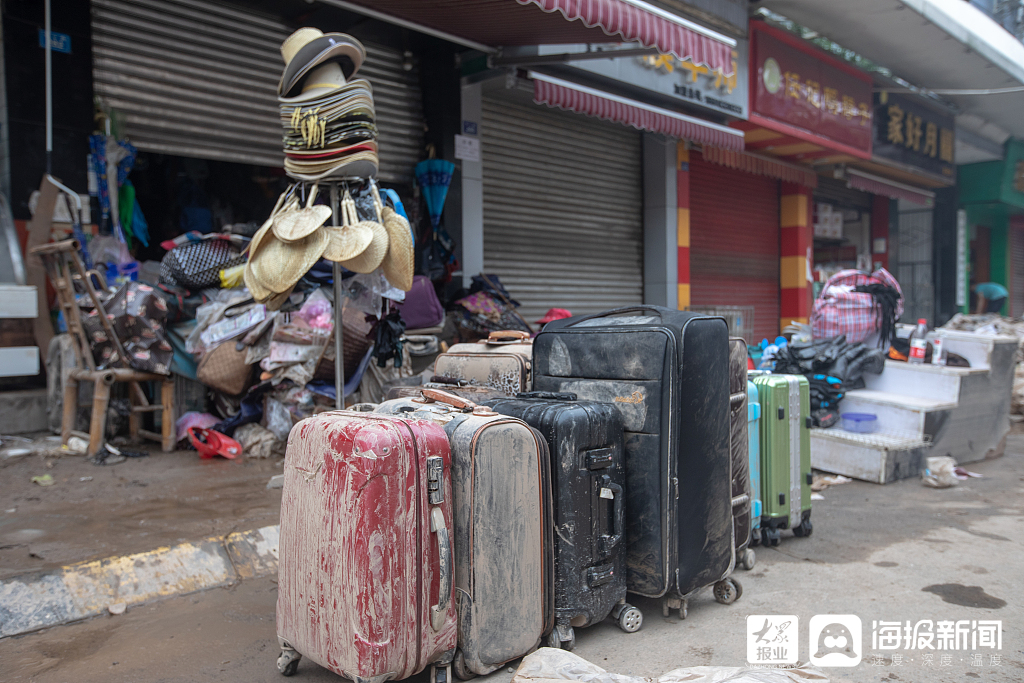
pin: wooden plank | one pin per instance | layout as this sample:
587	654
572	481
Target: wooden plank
39	233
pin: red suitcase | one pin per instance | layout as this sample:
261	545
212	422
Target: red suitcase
365	585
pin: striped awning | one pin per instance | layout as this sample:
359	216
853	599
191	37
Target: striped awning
581	99
489	24
760	165
867	182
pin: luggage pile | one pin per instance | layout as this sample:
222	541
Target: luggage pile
525	492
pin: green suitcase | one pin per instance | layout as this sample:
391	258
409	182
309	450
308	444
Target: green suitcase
785	455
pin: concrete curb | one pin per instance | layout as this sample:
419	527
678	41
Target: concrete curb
34	601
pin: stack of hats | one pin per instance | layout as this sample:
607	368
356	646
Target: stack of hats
329	133
329	120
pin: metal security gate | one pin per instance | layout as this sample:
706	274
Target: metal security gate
563	208
914	261
734	243
199	79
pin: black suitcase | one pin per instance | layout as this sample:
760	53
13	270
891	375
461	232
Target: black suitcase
668	373
739	448
588	474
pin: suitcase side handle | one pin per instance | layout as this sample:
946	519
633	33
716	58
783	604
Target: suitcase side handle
550	395
438	396
505	336
439	612
608	543
457	402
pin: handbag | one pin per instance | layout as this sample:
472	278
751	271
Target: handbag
224	369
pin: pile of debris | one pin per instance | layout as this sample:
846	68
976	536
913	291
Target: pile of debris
993	323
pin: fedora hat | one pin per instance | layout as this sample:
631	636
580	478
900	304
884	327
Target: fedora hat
296	223
371	257
358	165
399	262
308	48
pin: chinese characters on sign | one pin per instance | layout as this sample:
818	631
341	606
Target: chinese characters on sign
913	134
673	80
798	86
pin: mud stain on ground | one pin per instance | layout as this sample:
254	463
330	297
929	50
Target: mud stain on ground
887	564
967	596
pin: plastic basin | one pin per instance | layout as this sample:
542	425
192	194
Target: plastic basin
861	423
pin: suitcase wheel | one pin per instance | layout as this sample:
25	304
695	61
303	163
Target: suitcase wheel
804	529
681	604
728	591
748	560
755	537
288	662
562	636
441	674
460	669
770	536
630	618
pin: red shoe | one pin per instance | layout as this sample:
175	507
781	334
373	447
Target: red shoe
210	443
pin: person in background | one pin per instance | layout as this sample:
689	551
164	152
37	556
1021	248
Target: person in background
991	297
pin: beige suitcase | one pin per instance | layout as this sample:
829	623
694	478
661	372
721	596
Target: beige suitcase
502	361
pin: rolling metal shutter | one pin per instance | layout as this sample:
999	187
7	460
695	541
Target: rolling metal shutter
734	242
563	208
199	79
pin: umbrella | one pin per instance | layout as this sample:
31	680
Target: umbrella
434	176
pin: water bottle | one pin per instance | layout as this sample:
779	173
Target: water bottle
918	343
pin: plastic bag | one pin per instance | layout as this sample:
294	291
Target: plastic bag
939	472
277	418
548	665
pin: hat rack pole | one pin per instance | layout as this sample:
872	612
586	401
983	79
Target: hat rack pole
339	297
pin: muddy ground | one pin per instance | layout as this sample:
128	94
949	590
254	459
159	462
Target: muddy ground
93	511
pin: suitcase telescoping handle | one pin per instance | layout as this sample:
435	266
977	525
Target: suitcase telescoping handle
608	543
444	576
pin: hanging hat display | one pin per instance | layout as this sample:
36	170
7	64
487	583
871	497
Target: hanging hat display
399	263
371	258
296	223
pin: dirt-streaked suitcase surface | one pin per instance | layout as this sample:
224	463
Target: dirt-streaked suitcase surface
502	362
667	373
504	562
588	474
365	584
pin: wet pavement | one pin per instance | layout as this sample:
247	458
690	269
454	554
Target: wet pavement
883	553
95	511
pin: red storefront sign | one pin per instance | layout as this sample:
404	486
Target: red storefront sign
801	91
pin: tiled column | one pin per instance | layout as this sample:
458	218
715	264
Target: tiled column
795	254
683	223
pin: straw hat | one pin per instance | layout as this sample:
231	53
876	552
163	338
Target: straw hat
275	301
308	48
373	255
293	225
399	262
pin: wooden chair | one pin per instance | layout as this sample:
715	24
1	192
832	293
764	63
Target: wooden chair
67	273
